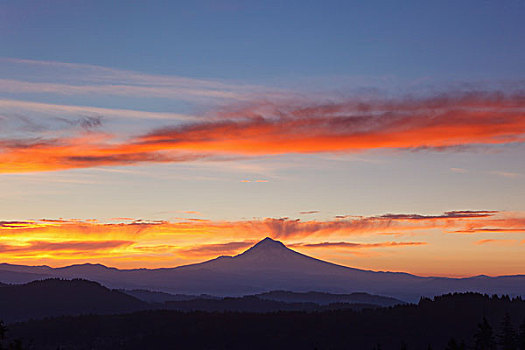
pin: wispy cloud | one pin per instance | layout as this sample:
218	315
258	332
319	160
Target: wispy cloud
271	129
499	242
504	222
351	245
459	170
283	228
457	214
9	107
71	246
507	174
193	212
215	249
171	92
83	79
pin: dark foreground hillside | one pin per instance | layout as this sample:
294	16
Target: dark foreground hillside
430	324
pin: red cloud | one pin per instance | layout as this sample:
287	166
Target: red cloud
451	121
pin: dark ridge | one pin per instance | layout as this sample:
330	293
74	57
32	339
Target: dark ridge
56	297
255	304
162	297
323	298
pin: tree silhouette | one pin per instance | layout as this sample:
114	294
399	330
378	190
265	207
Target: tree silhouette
507	336
484	337
427	326
3	331
16	345
521	336
453	345
13	345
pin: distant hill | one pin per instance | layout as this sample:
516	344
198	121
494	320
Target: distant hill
243	304
269	265
329	298
55	297
258	305
317	298
162	297
59	297
10	274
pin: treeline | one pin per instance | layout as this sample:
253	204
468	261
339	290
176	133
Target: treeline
453	321
6	343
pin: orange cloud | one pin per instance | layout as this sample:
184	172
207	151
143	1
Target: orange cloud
229	248
460	120
160	231
500	242
355	245
503	223
72	246
282	228
142	243
14	224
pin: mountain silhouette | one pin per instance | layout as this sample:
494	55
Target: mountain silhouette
268	266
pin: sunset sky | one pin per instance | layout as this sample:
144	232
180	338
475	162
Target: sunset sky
375	134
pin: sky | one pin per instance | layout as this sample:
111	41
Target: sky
374	134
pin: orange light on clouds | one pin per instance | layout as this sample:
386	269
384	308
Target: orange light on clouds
405	242
268	129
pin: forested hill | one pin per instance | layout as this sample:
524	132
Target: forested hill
57	297
454	321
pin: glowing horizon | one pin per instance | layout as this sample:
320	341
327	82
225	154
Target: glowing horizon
362	242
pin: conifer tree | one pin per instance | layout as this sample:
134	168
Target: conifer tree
507	336
521	337
453	345
484	337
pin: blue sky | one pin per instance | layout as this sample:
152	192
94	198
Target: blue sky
274	40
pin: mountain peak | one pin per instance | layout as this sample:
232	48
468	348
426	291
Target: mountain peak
267	244
268	249
270	242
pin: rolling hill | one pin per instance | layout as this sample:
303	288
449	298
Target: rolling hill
56	297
